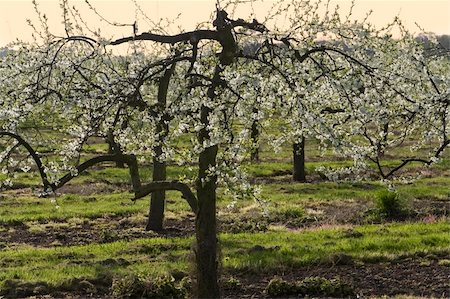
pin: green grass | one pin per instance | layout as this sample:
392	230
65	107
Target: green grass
30	208
435	188
54	265
68	206
101	148
34	209
373	243
278	249
284	250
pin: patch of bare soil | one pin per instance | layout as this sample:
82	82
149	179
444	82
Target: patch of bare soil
280	178
332	214
115	227
87	189
406	277
355	212
428	208
84	189
285	177
339	212
100	230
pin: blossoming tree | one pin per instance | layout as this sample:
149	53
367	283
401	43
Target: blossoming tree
349	93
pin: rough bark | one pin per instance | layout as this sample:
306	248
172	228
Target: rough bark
299	174
254	136
158	198
205	224
114	148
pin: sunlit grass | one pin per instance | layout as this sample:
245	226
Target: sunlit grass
280	250
370	243
56	264
273	251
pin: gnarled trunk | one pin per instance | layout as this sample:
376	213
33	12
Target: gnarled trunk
205	223
299	174
205	228
158	198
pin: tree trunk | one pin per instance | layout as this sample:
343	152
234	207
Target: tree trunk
205	228
205	223
158	198
299	174
114	148
254	135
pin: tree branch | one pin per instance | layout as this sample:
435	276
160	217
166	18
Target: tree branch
34	155
191	36
427	162
169	185
255	25
130	160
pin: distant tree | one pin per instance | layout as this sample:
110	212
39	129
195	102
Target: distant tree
444	41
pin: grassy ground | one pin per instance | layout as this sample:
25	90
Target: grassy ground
89	241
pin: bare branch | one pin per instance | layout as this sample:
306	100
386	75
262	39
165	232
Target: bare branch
255	25
193	36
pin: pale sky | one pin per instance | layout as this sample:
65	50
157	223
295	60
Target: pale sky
433	16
